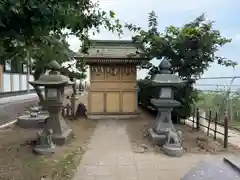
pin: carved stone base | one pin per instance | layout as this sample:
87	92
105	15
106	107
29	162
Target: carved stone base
173	150
61	131
39	149
159	139
26	121
64	138
40	113
44	113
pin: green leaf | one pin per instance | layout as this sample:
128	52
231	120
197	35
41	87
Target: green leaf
191	49
112	14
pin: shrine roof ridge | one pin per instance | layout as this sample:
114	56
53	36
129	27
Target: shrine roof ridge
111	51
111	42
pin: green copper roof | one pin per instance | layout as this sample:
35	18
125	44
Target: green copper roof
112	42
111	49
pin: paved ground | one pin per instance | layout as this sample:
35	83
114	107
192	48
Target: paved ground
110	157
13	106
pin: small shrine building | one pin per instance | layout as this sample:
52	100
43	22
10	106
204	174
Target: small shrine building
113	74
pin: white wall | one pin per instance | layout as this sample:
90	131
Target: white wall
24	82
16	83
6	82
31	78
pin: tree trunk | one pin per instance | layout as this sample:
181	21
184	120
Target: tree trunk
36	76
40	95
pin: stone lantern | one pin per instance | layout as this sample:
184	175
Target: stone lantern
54	84
164	132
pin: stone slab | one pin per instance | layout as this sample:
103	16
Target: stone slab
43	151
219	170
172	150
234	162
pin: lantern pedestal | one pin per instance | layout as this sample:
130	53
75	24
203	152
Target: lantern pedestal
158	138
163	120
61	131
45	144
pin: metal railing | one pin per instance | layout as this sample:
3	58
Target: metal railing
210	125
227	92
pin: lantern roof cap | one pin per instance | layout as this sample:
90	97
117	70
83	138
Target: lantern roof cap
165	66
165	76
170	80
53	78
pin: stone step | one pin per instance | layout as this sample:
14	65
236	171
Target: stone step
220	169
234	162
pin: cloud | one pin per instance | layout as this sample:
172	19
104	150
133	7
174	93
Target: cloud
169	12
74	43
160	5
237	37
173	12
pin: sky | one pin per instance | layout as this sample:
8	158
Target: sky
225	13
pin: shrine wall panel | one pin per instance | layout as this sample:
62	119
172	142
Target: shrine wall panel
97	85
112	89
96	76
112	73
96	102
129	101
113	85
97	73
112	102
129	73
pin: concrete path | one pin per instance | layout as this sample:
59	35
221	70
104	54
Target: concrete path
12	99
110	157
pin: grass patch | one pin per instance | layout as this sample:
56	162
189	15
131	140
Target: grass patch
19	163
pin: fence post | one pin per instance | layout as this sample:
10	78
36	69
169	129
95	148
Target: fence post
193	120
225	141
209	122
215	126
197	120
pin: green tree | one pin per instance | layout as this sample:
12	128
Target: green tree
37	30
190	48
24	24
